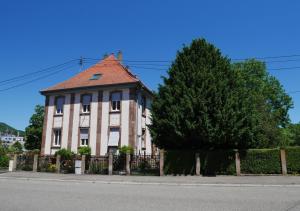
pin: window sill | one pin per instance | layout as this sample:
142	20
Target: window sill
57	115
85	114
55	147
115	112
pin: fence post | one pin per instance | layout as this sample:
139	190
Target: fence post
83	157
35	162
57	164
161	162
110	163
237	163
197	157
15	162
283	162
127	163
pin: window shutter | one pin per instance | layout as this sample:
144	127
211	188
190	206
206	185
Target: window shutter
116	96
84	134
114	137
60	102
86	99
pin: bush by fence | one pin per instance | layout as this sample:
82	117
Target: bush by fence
260	161
217	162
293	160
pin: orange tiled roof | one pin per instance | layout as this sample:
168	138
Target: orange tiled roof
111	70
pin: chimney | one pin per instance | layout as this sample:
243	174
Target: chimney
120	56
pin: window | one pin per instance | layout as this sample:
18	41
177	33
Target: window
96	76
143	105
116	101
84	137
114	137
59	105
86	103
57	137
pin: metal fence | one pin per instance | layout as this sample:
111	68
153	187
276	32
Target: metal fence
47	164
119	164
144	164
25	162
97	165
67	166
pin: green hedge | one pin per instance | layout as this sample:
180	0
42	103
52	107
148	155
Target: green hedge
293	160
260	161
221	162
178	162
4	161
212	162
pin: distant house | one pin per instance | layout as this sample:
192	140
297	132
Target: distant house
9	139
103	107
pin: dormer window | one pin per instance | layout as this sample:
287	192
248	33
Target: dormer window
59	105
116	101
96	76
86	103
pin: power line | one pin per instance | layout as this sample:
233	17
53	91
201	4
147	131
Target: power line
36	72
36	79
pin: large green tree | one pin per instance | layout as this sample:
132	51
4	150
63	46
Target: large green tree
33	133
205	102
271	103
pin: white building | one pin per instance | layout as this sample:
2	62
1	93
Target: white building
103	107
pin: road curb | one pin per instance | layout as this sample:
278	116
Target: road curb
152	183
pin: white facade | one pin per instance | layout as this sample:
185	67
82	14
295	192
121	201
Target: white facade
105	118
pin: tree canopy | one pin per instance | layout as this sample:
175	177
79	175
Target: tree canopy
206	102
33	133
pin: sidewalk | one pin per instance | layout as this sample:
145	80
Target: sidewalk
155	180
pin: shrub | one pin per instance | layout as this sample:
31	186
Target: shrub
66	154
179	162
215	162
293	160
84	150
4	161
16	148
51	168
260	161
126	149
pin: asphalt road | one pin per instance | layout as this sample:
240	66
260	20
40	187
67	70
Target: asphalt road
34	194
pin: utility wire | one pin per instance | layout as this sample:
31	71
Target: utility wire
36	79
36	72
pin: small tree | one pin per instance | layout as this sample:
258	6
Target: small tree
33	133
16	147
84	150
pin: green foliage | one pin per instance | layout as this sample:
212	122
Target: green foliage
212	162
51	168
216	162
293	160
66	154
268	101
33	133
16	148
260	161
98	167
126	149
84	150
290	135
179	162
207	103
4	159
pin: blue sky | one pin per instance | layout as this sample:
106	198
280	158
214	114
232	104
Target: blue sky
39	34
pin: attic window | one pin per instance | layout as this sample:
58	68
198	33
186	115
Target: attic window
95	77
